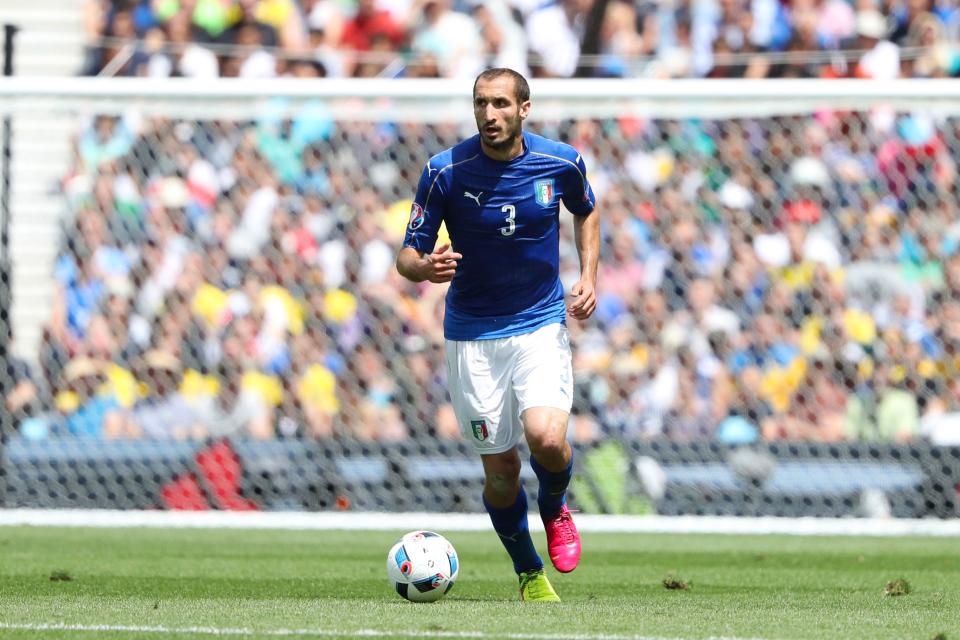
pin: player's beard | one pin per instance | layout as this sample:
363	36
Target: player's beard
513	129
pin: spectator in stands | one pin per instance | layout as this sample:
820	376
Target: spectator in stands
621	277
914	162
366	239
747	412
708	317
162	412
239	405
423	401
316	374
712	38
928	33
745	283
102	19
255	61
78	295
882	58
884	412
674	48
87	404
451	36
735	44
183	56
325	24
816	412
284	17
624	397
785	224
504	43
370	27
940	422
691	416
379	417
107	138
23	390
620	42
554	34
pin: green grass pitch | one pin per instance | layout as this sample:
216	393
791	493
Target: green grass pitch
160	583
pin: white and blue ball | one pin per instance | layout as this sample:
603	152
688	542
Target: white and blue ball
422	566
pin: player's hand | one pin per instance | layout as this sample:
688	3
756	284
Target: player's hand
441	265
584	299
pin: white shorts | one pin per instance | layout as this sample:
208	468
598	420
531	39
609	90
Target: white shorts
492	382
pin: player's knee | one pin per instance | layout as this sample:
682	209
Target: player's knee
548	444
501	487
504	477
546	435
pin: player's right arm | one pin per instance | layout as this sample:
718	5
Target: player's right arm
419	260
438	266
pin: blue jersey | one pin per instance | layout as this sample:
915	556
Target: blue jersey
504	218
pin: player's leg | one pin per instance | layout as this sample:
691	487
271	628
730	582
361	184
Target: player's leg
506	502
488	415
551	456
544	384
552	460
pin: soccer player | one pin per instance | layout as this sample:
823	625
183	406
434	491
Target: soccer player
507	346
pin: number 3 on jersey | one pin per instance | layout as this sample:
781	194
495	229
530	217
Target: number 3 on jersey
511	212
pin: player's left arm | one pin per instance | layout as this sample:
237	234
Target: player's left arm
587	233
580	201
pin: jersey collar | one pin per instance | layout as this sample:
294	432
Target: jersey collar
523	154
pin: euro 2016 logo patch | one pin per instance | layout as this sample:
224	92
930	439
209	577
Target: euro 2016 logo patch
479	429
416	217
543	192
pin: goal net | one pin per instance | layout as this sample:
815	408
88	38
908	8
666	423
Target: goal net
205	312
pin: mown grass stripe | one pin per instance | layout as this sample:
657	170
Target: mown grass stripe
357	633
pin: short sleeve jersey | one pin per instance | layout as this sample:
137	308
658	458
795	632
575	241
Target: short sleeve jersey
504	218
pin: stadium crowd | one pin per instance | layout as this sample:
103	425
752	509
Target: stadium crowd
778	278
879	39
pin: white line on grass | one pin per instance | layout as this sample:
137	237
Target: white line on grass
357	633
371	521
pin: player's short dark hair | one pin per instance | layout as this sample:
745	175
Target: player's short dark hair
521	89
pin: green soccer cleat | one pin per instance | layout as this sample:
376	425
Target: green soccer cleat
534	587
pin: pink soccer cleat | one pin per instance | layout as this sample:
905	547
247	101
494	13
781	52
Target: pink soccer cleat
563	541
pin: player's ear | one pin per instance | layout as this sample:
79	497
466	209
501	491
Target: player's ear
524	110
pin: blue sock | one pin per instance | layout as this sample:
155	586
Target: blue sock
510	523
553	487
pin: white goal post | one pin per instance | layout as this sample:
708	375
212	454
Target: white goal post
424	100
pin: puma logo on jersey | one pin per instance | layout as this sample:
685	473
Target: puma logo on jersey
467	194
510	538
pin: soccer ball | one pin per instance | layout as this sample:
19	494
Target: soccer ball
422	566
